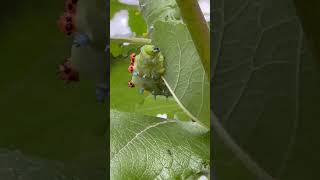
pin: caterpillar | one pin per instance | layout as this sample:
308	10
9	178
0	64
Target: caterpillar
84	21
67	24
147	68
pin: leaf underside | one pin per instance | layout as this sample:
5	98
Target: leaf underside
265	89
184	75
145	147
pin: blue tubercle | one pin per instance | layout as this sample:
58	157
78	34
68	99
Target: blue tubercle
135	73
81	40
141	90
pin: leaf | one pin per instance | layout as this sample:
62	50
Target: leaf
160	105
184	75
119	50
184	72
136	21
122	97
115	49
144	147
154	11
265	90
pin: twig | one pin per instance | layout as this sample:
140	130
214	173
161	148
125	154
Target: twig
198	28
132	40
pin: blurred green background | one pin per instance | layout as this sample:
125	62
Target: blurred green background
40	114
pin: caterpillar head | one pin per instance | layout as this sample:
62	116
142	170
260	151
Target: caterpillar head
150	50
66	23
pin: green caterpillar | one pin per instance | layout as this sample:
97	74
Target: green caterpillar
147	68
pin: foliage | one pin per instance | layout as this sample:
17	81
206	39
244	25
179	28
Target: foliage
133	125
266	92
163	149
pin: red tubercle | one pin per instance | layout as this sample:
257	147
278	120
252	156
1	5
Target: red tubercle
130	68
71	6
132	58
66	23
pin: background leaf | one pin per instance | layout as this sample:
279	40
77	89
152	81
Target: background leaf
184	72
136	21
122	97
145	147
265	89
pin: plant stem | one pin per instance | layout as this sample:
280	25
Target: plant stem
198	28
132	40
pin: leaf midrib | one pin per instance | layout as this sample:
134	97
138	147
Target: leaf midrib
140	133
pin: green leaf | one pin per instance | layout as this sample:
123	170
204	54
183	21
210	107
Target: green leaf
266	92
144	147
119	50
126	50
136	22
121	96
160	105
184	75
154	11
115	49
